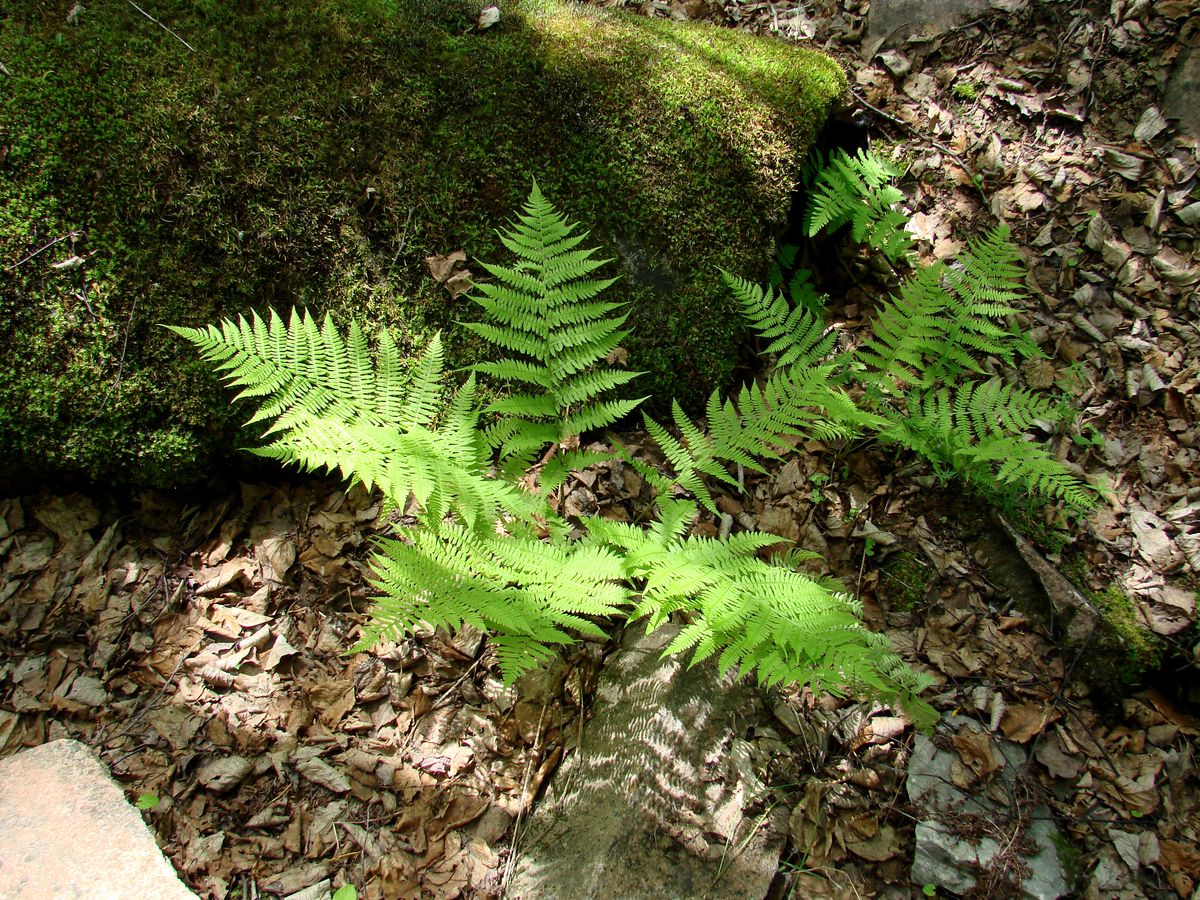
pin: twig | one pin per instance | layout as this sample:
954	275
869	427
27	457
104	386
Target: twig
937	145
403	236
70	235
161	25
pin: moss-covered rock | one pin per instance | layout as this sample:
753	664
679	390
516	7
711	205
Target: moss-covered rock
315	153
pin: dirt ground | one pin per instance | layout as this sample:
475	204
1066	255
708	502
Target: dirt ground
198	643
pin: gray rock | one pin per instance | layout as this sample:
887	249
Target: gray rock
891	21
1182	98
949	860
68	833
652	804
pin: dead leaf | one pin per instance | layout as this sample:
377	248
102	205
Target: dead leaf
977	752
1060	763
442	267
1022	721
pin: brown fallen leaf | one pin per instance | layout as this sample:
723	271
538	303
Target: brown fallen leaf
976	751
442	267
1181	862
1022	721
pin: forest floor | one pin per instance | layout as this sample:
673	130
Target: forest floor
199	645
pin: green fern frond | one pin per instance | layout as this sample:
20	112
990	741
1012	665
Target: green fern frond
977	431
857	191
545	310
797	336
530	595
762	423
778	623
329	407
947	318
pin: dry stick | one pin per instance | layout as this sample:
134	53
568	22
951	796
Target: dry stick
937	145
161	25
69	235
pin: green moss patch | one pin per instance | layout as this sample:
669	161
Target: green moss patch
315	154
1122	651
905	579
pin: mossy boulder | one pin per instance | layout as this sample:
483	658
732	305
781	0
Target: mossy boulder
316	153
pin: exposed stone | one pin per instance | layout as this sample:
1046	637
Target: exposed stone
1182	98
950	859
891	21
68	833
652	804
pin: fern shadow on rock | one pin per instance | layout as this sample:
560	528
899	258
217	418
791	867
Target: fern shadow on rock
652	804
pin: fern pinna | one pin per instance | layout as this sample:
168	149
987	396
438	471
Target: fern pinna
545	311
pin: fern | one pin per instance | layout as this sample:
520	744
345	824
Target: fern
976	432
784	626
857	191
946	317
757	425
334	408
529	595
798	337
915	368
487	553
545	311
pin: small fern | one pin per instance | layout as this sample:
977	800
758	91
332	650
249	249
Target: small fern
545	310
334	407
977	432
487	552
916	365
857	191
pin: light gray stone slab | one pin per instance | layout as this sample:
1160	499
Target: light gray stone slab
653	805
943	856
68	833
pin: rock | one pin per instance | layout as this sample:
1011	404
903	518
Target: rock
1115	649
67	831
889	22
652	804
1181	100
432	154
947	857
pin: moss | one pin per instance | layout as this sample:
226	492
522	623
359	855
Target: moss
1131	650
965	90
1069	856
905	579
315	154
1122	651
